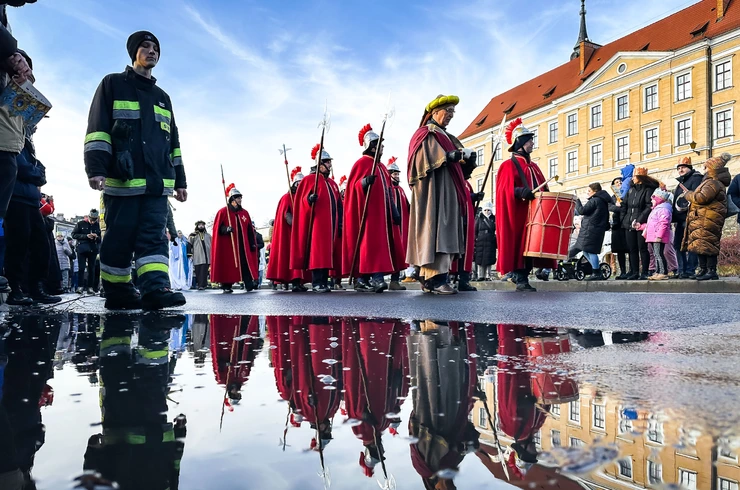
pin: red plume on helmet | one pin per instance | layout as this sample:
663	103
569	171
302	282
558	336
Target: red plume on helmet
511	464
368	470
228	189
295	171
367	128
392	161
510	129
343	180
315	151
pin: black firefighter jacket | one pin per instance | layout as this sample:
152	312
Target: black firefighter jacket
132	139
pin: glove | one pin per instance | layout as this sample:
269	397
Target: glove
312	198
454	156
174	240
368	181
524	193
470	156
289	218
395	215
478	196
252	247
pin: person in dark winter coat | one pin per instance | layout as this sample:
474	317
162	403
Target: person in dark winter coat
485	242
637	206
593	226
689	178
88	235
619	234
706	216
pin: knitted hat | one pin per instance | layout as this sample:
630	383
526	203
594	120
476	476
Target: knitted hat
715	163
659	193
135	40
488	205
94	214
684	162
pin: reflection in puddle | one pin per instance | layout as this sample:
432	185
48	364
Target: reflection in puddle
334	402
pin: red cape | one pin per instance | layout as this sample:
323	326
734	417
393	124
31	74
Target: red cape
223	269
381	248
326	239
469	236
402	204
278	329
233	360
386	377
278	268
511	215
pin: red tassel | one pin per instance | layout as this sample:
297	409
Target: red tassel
363	132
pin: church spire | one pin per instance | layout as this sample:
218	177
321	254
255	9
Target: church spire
582	35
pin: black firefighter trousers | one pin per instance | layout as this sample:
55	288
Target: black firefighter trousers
135	228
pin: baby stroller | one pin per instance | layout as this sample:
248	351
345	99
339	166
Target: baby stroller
578	268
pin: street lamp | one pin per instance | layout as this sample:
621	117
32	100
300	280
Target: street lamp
692	145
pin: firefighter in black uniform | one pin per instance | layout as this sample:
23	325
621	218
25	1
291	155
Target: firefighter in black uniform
138	447
132	154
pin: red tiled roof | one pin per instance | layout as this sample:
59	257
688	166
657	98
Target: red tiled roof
668	34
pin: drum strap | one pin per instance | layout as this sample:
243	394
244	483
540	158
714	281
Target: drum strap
525	182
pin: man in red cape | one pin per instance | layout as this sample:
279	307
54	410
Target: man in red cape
233	230
380	251
375	382
278	269
317	246
398	196
514	183
439	197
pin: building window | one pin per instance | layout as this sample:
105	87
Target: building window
651	140
655	472
537	439
553	133
482	418
479	185
625	424
555	438
575	442
623	110
554	409
725	484
596	158
574	414
655	431
625	468
687	479
596	116
535	138
552	166
683	132
572	124
724	123
683	86
599	416
651	97
723	75
499	149
724	449
479	158
623	148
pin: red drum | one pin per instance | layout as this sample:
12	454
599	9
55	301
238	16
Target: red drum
550	388
549	225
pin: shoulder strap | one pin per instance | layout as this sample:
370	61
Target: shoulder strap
525	182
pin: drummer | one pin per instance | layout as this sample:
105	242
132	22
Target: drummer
516	179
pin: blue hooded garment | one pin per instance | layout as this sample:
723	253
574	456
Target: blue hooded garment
627	173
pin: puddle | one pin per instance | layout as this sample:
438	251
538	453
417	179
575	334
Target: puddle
217	401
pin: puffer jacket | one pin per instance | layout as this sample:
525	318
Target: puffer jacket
658	226
638	203
595	222
707	211
64	253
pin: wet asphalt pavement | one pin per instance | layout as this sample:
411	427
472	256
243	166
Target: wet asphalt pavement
603	311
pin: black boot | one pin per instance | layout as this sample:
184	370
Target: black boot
378	285
18	298
162	298
522	283
700	272
39	295
710	275
128	299
463	283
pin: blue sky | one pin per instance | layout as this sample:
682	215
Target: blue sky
247	76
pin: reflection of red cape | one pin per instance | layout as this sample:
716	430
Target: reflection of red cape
469	236
403	206
233	360
326	240
278	268
222	253
386	376
381	248
309	347
278	328
511	215
519	416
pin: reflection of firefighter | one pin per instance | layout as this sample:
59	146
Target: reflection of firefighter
138	448
376	378
317	384
29	347
235	343
445	380
86	356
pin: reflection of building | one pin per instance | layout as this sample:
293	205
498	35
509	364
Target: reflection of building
654	449
641	99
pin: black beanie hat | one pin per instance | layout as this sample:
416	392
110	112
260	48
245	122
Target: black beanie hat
135	40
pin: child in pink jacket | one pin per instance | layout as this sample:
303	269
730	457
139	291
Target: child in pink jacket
657	231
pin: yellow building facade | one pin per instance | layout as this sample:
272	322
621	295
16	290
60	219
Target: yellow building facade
643	107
